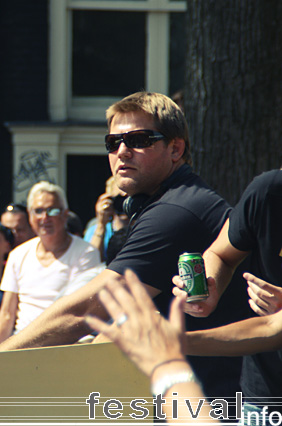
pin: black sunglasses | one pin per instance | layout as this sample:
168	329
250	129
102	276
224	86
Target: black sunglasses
134	139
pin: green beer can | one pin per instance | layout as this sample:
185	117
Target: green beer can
191	269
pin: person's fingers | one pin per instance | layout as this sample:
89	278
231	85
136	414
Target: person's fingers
104	196
194	309
256	309
111	304
178	281
267	288
249	277
181	295
177	292
269	294
124	299
176	315
101	327
268	304
101	338
261	299
201	308
252	278
130	297
104	204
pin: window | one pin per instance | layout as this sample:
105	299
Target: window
105	60
101	51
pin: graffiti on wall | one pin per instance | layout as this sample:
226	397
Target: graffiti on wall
34	166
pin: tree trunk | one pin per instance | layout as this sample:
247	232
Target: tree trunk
233	90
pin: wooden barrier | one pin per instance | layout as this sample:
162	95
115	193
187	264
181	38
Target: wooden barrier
51	385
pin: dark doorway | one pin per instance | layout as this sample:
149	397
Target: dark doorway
86	177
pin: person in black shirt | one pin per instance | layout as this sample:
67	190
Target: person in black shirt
149	155
254	228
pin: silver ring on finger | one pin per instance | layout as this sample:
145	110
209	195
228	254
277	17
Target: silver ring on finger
121	320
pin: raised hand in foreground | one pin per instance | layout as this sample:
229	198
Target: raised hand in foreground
150	341
146	337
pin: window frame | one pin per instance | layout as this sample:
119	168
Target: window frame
64	106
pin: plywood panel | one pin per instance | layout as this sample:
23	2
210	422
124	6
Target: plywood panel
53	384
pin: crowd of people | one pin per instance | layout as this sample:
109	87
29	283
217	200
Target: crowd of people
222	345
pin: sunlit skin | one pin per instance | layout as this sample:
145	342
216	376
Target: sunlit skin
44	225
140	170
19	225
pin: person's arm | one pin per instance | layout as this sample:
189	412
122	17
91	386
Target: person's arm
151	342
265	298
250	336
190	390
221	259
8	314
104	213
63	322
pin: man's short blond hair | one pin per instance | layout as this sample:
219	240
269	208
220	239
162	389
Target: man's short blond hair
167	115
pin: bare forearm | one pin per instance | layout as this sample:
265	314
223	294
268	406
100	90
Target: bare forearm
187	391
220	271
97	239
26	339
62	323
246	337
222	258
6	328
8	314
47	331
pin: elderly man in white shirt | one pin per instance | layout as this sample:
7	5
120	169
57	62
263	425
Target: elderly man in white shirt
49	266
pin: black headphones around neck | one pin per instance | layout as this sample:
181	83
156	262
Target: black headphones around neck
133	205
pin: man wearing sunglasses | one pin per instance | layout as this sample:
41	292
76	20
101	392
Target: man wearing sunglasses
46	267
149	155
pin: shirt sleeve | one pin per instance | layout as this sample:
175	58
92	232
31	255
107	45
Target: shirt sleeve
246	217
